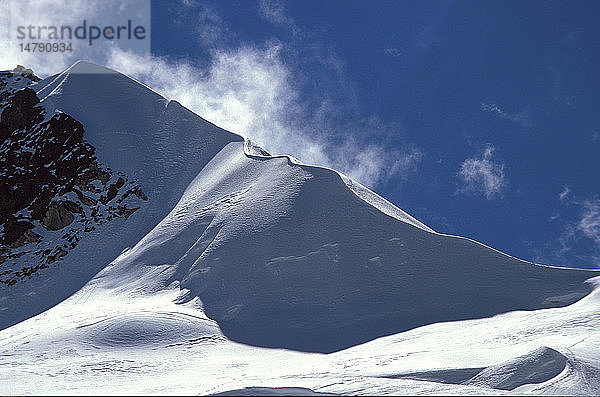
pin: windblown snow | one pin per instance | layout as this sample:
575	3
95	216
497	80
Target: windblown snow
250	273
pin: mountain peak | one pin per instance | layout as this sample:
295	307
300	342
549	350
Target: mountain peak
280	254
87	67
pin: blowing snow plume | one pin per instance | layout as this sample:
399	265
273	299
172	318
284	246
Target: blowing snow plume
249	90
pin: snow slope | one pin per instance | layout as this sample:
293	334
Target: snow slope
282	254
236	246
108	341
137	132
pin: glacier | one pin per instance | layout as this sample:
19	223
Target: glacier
247	270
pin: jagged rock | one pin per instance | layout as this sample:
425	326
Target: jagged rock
57	217
140	194
12	119
4	133
27	271
15	116
26	72
73	207
14	229
111	194
85	199
25	99
5	192
127	212
50	175
59	253
27	237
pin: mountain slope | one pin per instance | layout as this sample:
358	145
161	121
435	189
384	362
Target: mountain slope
114	340
232	244
278	252
135	134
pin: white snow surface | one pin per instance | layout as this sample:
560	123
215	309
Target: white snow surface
238	249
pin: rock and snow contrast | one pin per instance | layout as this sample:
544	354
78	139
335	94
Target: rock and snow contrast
146	250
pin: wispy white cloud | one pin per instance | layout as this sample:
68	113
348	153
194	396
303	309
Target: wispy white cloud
372	164
14	13
393	52
71	13
274	11
580	236
522	118
483	174
210	28
250	91
564	193
589	224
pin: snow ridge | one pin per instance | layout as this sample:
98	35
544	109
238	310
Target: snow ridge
236	250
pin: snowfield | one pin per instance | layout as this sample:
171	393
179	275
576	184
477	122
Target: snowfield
255	274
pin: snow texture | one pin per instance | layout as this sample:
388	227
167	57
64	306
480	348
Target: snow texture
237	251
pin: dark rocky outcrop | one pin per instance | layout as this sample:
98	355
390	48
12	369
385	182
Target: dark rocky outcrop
57	217
26	73
21	111
50	182
14	230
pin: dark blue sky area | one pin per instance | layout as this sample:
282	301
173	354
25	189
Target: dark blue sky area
501	98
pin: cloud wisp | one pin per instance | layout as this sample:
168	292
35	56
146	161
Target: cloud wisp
579	240
13	13
483	174
589	224
274	11
246	88
563	195
25	23
393	52
210	29
249	90
522	118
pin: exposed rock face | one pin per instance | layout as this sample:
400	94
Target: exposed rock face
14	230
26	72
21	112
15	115
57	216
53	189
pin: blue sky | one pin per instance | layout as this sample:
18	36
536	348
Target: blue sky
478	118
489	107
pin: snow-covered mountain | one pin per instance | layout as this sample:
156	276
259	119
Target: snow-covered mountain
162	243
